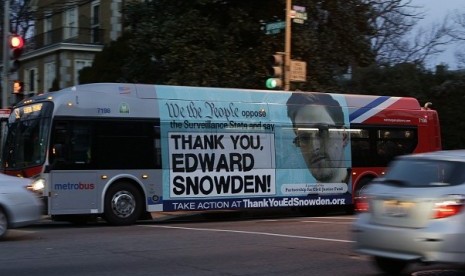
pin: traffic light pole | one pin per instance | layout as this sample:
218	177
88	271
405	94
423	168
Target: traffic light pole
6	69
287	47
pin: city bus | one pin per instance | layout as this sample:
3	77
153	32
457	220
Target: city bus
124	151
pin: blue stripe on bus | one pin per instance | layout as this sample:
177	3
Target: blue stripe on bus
359	112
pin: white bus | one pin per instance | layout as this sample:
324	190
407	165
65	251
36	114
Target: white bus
121	151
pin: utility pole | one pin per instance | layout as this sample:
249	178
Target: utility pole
287	47
6	69
283	69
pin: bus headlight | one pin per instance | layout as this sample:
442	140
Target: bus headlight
37	185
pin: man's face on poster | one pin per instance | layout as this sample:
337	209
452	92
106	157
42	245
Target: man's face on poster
321	141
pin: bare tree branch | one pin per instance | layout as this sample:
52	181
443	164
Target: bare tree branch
396	40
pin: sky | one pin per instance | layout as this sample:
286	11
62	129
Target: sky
435	12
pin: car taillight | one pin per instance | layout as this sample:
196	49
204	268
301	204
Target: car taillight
361	204
450	206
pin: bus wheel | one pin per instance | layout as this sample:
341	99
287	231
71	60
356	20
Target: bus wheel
123	204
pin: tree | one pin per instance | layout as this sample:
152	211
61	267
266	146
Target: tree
448	98
201	43
107	68
403	79
333	39
395	39
21	17
459	35
219	43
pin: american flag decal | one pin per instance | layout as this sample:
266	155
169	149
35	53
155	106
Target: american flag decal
124	90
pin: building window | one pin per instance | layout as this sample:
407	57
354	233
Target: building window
95	13
49	76
95	21
71	23
78	65
31	84
48	28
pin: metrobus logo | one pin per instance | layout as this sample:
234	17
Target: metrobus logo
74	186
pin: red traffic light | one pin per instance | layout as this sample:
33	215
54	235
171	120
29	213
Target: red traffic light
16	42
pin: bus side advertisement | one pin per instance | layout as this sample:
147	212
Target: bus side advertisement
233	154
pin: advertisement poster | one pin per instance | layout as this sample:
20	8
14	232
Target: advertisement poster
226	149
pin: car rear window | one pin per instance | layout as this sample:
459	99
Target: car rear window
424	173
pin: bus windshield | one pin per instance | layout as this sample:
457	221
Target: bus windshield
27	136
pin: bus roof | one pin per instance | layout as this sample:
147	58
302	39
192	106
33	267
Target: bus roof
149	91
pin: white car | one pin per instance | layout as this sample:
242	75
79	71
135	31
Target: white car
416	212
19	206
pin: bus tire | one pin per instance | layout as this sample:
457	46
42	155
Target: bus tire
123	204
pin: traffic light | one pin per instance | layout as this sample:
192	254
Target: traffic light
16	43
18	87
276	71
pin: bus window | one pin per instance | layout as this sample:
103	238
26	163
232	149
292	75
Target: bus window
360	146
71	145
59	142
124	145
376	146
157	146
407	142
80	150
393	142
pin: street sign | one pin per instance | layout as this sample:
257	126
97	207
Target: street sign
300	14
298	71
274	28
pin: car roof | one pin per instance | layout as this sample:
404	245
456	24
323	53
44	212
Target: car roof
446	155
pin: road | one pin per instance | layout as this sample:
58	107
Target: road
221	244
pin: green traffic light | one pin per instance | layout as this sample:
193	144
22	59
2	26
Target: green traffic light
273	83
270	83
